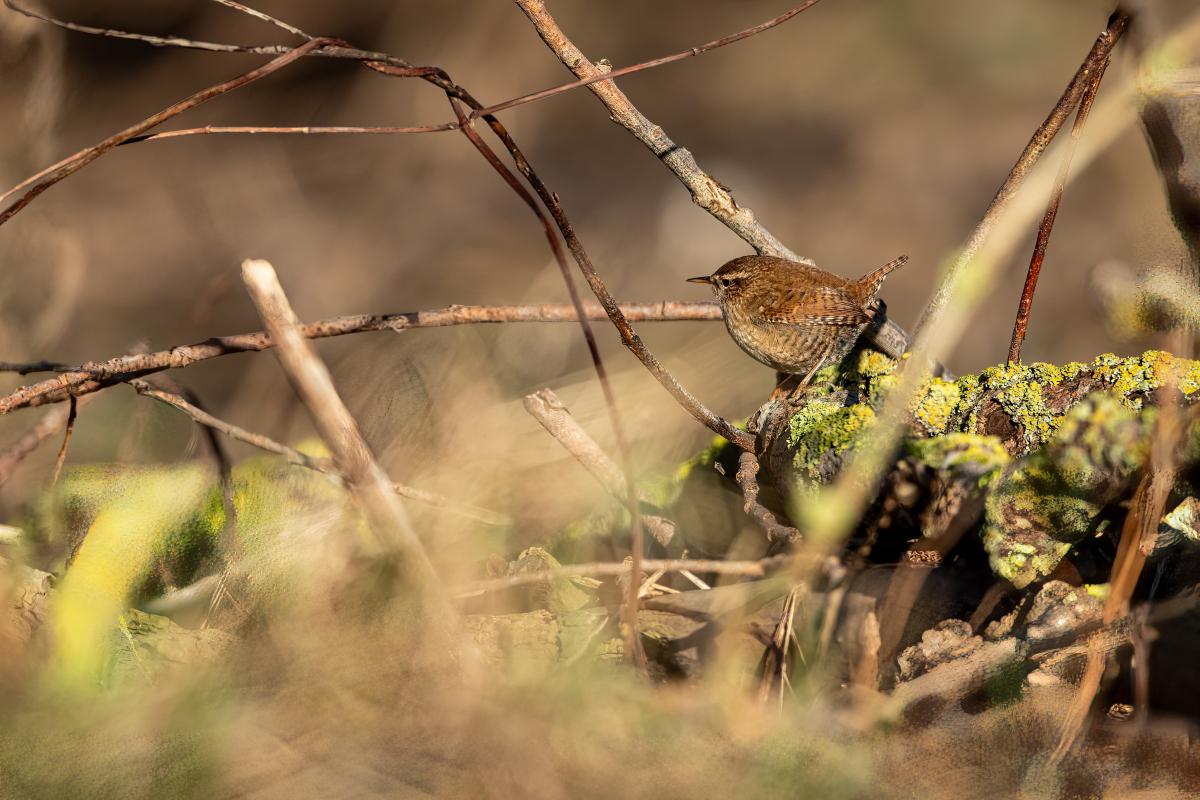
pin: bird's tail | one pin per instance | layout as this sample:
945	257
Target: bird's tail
868	285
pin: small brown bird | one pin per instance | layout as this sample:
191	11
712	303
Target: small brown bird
791	316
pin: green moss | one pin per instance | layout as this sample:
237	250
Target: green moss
1043	504
958	451
822	427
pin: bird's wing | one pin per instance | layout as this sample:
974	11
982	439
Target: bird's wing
827	305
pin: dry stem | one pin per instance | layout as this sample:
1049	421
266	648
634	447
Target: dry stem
753	569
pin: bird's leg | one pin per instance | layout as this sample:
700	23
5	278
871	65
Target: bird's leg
794	396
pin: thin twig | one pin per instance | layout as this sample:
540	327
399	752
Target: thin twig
629	337
633	641
53	422
72	412
644	65
1047	226
366	480
264	17
545	406
747	478
831	515
751	569
293	456
36	184
398	67
92	376
303	130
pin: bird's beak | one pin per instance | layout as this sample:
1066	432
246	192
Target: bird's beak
701	279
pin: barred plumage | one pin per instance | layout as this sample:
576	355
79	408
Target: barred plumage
792	316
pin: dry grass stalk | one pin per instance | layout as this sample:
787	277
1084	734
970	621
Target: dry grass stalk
367	481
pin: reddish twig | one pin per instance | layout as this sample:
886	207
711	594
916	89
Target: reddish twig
46	427
633	643
92	376
72	412
1047	226
651	64
36	184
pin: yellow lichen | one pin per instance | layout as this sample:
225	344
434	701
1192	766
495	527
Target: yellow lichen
822	427
936	405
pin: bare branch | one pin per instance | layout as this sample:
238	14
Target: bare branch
92	376
747	478
53	422
264	17
305	130
545	406
293	456
72	412
36	184
707	192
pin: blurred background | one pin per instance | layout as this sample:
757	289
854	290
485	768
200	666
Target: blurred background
856	132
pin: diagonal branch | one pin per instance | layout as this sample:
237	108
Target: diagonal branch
545	406
604	75
36	184
706	191
367	481
1047	226
293	456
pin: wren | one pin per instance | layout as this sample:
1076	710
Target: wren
791	316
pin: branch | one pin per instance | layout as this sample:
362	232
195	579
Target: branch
747	478
307	130
545	406
1047	226
609	74
36	184
92	376
754	569
707	192
54	421
202	417
367	481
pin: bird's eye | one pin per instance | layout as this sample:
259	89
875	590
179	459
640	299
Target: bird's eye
723	282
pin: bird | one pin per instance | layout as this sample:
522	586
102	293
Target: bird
792	316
